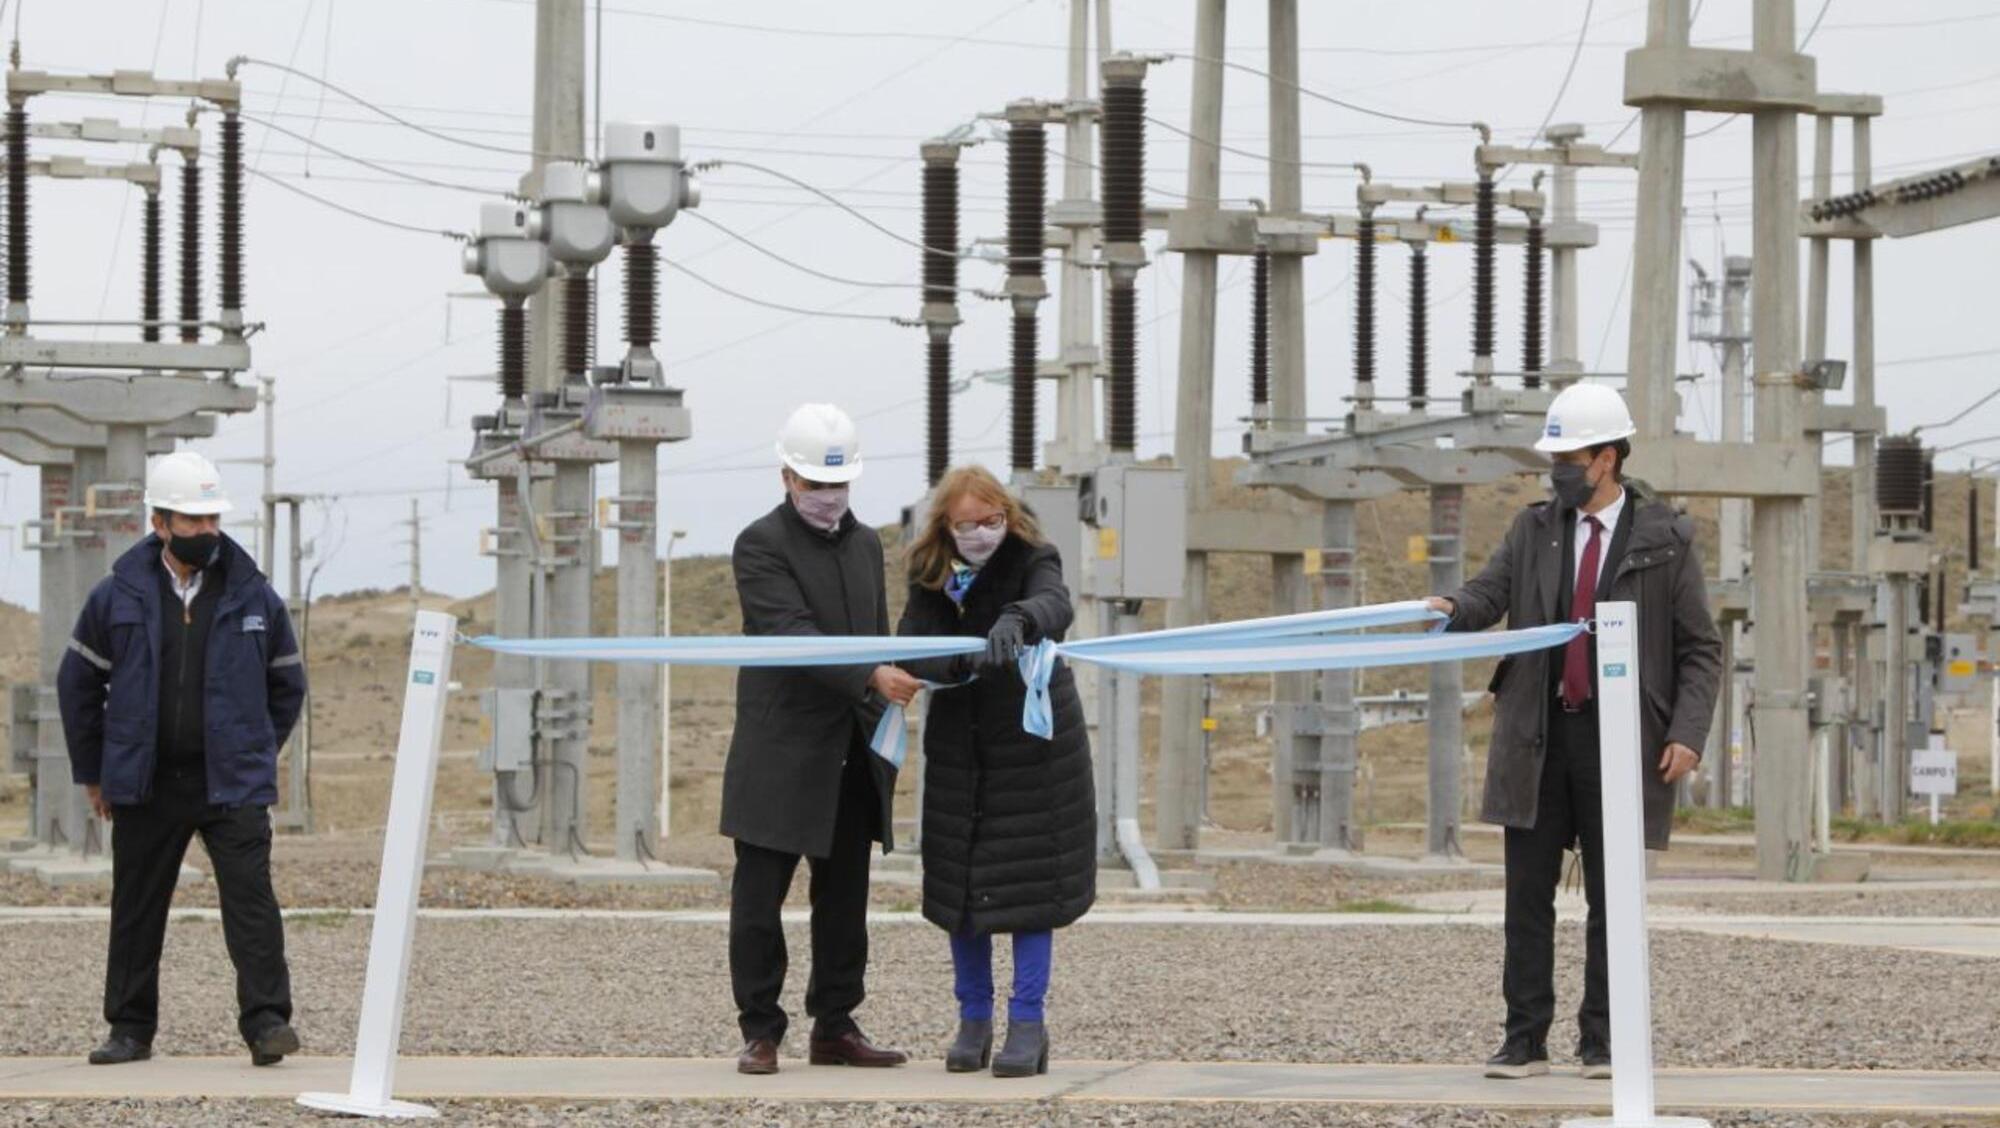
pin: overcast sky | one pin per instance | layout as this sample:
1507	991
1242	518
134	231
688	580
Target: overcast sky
364	330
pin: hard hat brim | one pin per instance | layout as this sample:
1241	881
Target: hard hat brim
1550	445
193	508
832	475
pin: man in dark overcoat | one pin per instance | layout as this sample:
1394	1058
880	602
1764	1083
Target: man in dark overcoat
801	780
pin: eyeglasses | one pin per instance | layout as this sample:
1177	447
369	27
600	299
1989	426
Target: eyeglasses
991	524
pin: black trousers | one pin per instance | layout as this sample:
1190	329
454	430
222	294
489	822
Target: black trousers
757	957
1570	811
147	845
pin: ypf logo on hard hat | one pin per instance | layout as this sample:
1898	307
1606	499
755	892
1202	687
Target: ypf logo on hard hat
836	456
1555	430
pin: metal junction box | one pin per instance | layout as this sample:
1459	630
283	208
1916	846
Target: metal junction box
21	734
511	715
1136	544
1055	509
1958	669
623	411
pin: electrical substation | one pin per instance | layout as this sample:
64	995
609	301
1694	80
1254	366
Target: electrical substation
1061	284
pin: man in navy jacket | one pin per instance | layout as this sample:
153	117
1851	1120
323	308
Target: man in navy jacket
182	681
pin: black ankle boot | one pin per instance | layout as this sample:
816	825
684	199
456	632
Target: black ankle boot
973	1047
1025	1053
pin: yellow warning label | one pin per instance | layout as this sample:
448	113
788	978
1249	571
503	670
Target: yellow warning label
1961	668
1315	561
1107	544
1419	549
1446	235
1208	724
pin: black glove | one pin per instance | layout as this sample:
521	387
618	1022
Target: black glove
1004	642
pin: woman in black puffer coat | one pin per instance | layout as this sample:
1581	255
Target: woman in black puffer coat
1010	819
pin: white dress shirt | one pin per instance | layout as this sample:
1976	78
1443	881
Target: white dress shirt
1608	517
186	589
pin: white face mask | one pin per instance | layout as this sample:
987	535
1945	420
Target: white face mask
979	545
822	509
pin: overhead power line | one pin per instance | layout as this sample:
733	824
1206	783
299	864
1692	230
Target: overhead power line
1308	92
460	236
837	202
742	297
390	114
364	162
802	267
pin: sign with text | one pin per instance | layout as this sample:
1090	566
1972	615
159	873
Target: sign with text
1934	770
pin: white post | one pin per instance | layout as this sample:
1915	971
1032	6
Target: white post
1620	761
381	1027
666	686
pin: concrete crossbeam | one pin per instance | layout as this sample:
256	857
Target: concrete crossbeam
122	398
1681	465
1720	81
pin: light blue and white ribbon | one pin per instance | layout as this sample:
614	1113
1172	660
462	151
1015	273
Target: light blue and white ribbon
732	650
1279	644
1260	630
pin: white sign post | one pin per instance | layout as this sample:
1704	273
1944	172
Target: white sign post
1621	762
381	1028
1934	772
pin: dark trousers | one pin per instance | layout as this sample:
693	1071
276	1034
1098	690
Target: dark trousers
1570	810
147	845
757	957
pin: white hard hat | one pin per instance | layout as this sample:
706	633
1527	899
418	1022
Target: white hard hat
1585	415
185	482
819	443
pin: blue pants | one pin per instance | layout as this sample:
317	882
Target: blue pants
972	966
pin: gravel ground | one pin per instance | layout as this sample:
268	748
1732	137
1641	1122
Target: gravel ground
1181	992
1882	902
1255	886
322	879
760	1114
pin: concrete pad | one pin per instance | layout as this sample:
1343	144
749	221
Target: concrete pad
1570	903
1346	861
442	1078
61	868
1763	1090
528	1078
1951	938
581	870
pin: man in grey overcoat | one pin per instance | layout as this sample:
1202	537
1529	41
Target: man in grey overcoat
1603	537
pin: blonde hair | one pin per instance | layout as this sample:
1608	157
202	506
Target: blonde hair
933	548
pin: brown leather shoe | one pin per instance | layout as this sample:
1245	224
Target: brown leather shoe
854	1048
759	1057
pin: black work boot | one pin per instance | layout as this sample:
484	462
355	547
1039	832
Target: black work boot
270	1047
119	1049
1518	1058
1595	1056
1026	1051
973	1048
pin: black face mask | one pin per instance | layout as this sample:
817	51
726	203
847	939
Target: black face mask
1572	484
195	551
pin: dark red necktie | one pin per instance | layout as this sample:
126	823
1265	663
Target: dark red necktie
1576	655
